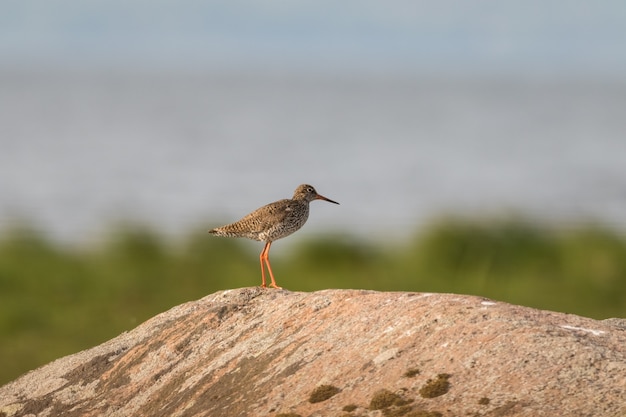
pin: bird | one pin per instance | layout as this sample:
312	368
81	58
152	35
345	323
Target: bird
272	222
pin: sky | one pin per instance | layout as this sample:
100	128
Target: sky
545	37
581	121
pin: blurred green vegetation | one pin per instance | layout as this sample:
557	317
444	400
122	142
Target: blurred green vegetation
56	300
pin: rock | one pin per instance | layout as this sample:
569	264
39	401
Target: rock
257	352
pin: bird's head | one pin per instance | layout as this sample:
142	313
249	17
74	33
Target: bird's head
308	193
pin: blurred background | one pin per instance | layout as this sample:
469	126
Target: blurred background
475	147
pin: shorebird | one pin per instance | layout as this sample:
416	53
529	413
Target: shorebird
272	222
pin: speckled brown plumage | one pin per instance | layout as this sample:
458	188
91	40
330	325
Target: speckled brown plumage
272	222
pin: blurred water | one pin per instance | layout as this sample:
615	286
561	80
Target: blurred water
182	151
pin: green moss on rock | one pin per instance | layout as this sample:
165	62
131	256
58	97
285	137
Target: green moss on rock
322	393
349	407
411	372
383	399
436	387
424	413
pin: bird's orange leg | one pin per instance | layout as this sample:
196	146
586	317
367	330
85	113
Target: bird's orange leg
265	256
262	258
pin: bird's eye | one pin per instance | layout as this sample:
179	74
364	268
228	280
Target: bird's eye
309	189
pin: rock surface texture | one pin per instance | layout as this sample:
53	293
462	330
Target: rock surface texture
257	352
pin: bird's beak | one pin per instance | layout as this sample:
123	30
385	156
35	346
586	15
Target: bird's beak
321	197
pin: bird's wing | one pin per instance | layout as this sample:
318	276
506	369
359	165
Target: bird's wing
269	215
